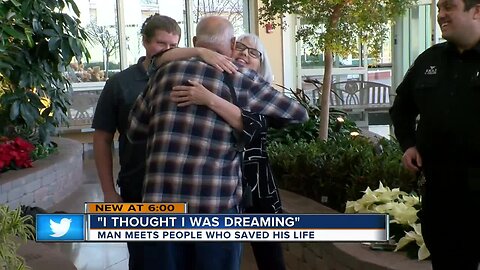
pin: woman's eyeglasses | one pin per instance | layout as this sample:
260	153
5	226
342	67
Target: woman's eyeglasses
239	46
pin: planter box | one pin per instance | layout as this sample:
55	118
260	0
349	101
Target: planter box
335	255
48	181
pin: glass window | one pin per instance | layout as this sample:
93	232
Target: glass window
99	18
109	54
380	69
311	85
420	30
310	60
437	30
233	10
351	66
103	46
137	11
385	57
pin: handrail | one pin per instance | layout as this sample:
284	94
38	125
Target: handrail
82	109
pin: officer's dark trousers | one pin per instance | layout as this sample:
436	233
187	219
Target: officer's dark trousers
450	208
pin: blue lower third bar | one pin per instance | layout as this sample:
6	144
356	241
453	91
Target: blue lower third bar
238	227
60	227
238	221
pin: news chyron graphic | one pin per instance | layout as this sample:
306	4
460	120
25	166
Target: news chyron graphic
60	227
120	222
138	208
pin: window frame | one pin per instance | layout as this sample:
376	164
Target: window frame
249	23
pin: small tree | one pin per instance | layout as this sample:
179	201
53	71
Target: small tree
107	37
336	27
231	9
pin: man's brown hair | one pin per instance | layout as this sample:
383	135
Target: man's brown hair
160	22
470	3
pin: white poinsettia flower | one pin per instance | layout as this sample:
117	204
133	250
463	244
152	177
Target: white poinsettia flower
386	197
400	206
390	195
368	198
367	191
403	242
366	201
350	207
397	193
403	214
363	208
381	188
397	190
423	252
411	200
385	208
415	235
385	194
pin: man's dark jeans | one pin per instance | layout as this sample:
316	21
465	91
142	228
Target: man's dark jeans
193	255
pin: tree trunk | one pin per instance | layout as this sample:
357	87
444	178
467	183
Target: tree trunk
107	58
327	74
325	102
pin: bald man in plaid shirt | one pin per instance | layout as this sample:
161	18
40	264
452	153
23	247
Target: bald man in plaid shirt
192	153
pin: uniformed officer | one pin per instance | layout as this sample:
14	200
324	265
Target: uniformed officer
435	117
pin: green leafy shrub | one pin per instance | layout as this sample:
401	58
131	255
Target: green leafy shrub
13	226
37	42
43	150
338	170
308	131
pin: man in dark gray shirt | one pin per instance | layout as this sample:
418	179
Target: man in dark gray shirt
159	33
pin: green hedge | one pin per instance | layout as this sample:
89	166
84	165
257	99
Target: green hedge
339	169
336	170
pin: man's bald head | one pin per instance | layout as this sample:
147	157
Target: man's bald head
215	33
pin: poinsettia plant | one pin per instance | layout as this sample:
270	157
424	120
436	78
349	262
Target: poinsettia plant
15	153
402	208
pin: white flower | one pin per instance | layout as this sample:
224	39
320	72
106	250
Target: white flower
350	207
385	208
411	200
415	235
400	206
403	214
385	194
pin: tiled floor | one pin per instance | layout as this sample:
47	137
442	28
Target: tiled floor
90	256
102	256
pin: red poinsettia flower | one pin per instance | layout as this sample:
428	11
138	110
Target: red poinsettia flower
15	153
5	155
23	144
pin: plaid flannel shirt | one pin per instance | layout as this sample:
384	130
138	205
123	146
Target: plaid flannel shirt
191	151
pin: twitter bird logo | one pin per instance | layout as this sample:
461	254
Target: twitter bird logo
60	229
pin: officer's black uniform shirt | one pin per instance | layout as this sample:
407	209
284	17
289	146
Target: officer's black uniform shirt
111	114
443	87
